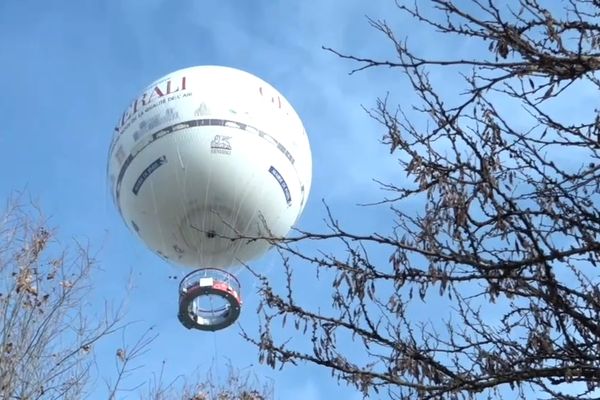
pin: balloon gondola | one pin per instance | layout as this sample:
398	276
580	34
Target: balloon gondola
206	165
209	299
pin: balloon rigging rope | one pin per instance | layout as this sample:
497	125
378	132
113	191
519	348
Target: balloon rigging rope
183	198
200	245
245	231
215	352
160	230
240	242
205	219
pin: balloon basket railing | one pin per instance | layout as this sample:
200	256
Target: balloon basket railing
209	299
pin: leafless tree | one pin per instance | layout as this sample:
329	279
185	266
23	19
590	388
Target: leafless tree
494	218
236	385
49	326
46	337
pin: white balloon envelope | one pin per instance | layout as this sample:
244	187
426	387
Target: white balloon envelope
206	155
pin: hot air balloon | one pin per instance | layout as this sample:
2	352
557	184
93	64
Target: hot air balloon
205	164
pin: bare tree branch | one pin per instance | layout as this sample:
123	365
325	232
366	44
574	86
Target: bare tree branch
505	234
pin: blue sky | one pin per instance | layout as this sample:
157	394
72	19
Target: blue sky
69	69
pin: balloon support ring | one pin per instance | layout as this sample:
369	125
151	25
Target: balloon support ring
209	299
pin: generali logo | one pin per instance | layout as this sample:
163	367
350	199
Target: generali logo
162	89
